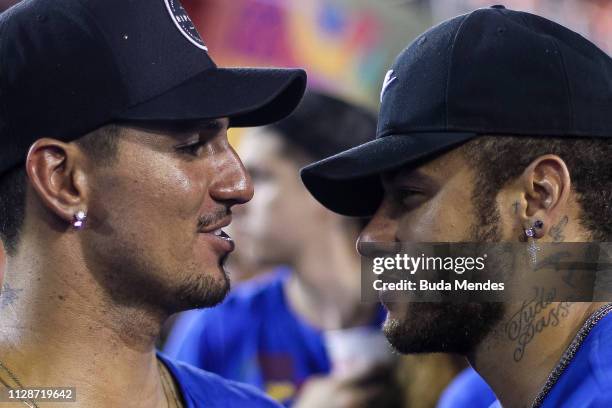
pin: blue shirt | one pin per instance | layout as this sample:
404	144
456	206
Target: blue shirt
585	383
206	390
254	337
467	390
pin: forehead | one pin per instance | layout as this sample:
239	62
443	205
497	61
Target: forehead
438	169
173	129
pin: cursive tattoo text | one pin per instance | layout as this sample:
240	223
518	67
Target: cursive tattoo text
533	317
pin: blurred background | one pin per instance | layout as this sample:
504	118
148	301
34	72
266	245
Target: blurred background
346	46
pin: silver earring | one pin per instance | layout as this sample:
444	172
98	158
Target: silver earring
78	220
532	247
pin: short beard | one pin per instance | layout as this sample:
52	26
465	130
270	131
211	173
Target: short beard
452	327
443	327
200	292
133	281
145	288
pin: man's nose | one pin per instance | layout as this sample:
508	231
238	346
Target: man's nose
232	183
379	236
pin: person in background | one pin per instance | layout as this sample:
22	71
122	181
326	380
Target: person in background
282	327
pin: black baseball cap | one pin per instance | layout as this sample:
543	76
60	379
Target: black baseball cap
493	71
68	67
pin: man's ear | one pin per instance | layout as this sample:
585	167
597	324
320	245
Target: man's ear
546	186
56	173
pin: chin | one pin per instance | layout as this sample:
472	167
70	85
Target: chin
441	327
201	290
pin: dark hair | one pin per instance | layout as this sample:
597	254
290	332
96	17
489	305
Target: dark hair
100	145
501	159
323	125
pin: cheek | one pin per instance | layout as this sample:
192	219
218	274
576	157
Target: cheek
169	191
447	217
150	202
183	190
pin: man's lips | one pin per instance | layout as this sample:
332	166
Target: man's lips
218	238
222	235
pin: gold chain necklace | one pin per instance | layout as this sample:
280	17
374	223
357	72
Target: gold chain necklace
167	383
31	403
164	387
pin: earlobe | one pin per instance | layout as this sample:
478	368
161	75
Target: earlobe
55	177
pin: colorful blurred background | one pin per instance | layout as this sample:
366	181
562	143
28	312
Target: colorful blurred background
347	45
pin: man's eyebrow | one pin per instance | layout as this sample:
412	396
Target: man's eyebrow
400	175
183	129
212	124
198	126
192	126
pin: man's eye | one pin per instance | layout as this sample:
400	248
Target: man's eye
192	149
408	197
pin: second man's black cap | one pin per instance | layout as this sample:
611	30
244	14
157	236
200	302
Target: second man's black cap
68	67
493	71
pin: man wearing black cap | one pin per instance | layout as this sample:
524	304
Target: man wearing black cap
116	179
494	126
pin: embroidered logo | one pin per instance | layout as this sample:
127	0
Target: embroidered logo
184	24
388	80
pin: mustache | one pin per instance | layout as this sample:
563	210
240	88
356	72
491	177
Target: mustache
207	220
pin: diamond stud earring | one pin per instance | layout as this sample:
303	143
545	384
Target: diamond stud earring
78	221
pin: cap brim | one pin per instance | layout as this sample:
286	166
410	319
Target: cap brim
248	96
348	183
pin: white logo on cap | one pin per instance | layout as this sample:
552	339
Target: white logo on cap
386	83
184	24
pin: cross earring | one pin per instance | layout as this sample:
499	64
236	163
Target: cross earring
532	247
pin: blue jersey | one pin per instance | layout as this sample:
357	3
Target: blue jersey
586	381
467	390
254	337
206	390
